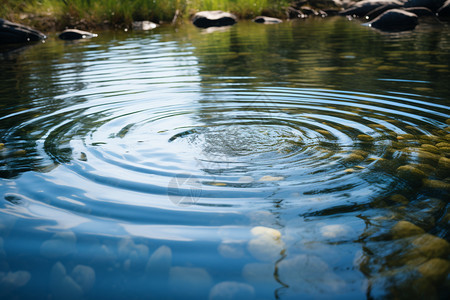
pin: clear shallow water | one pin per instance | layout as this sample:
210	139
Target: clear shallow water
301	160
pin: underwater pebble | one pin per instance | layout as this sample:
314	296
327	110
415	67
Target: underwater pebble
324	132
266	245
410	173
61	244
84	276
427	157
354	158
443	145
435	269
160	262
271	178
229	290
231	249
19	152
429	148
134	255
430	246
258	272
246	179
436	184
261	217
365	138
405	229
189	283
333	231
308	274
399	198
62	285
15	279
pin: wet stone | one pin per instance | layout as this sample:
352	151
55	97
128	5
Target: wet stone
399	199
229	290
160	262
405	229
411	173
365	138
435	269
431	246
84	276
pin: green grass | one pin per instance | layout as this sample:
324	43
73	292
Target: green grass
120	13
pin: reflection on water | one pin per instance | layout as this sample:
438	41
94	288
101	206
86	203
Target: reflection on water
305	159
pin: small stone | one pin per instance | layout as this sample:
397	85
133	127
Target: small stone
430	246
405	229
144	25
266	231
271	178
354	158
324	132
231	249
20	152
266	245
258	272
160	262
75	34
62	285
410	173
267	20
229	290
189	283
436	184
399	198
15	279
84	276
435	269
60	245
246	179
444	163
333	231
427	157
429	148
365	138
443	145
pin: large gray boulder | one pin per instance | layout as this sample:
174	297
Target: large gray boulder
13	33
213	18
362	8
75	34
267	20
395	20
444	11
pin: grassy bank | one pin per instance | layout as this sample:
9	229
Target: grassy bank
84	14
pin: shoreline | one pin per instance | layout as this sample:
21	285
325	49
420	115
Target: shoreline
66	15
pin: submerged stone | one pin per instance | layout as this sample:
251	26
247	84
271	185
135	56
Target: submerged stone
14	279
399	198
258	272
436	184
430	148
365	138
435	269
84	276
411	173
229	290
405	229
267	244
430	246
160	262
60	245
271	178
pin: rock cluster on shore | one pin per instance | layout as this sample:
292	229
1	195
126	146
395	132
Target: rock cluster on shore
385	15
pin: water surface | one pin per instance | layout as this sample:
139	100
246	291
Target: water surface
307	159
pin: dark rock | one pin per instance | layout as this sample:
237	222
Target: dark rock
420	11
295	13
13	33
75	34
360	9
395	20
444	11
309	11
215	18
266	20
379	10
434	5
